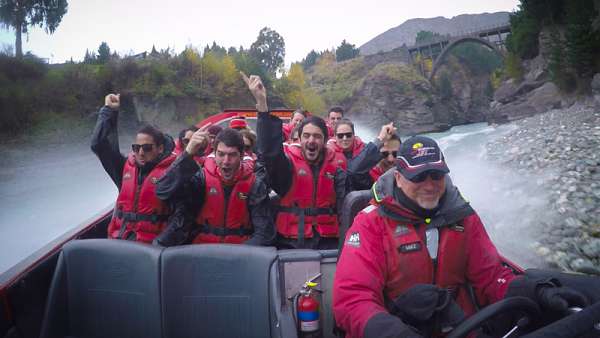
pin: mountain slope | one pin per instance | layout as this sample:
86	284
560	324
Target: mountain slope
407	31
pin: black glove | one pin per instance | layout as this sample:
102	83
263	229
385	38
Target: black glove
547	292
384	325
559	298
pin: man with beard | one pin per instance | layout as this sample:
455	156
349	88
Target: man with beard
409	256
309	179
138	214
388	153
227	200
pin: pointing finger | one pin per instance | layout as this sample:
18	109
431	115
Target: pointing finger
245	77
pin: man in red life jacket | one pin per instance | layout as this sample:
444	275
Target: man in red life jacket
308	177
388	153
419	240
360	157
335	114
183	139
297	117
138	215
228	202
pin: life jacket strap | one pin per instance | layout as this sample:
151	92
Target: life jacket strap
306	211
222	231
138	217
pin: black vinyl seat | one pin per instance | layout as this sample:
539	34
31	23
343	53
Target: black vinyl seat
105	288
353	203
221	291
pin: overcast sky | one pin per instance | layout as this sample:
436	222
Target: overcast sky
133	26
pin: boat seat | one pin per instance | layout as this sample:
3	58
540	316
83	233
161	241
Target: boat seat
104	288
353	203
220	290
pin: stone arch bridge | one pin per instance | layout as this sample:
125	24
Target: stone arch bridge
493	38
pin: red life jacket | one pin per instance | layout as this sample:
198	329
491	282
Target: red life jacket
223	221
287	131
409	262
138	212
310	202
330	133
179	148
357	146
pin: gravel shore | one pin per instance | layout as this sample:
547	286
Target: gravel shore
560	149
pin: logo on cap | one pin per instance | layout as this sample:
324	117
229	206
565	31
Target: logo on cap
417	145
426	151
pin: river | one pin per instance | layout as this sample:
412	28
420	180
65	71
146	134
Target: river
46	192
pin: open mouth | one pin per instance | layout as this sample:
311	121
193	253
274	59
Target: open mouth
226	171
311	150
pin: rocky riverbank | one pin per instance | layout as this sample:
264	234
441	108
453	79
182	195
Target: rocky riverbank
560	150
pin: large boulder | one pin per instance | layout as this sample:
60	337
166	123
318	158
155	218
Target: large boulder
510	91
545	97
536	69
537	101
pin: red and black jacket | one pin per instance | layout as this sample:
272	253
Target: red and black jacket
386	253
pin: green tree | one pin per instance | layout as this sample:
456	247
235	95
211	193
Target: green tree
523	39
20	14
557	63
346	51
426	36
513	67
216	50
269	50
103	53
89	57
478	58
310	59
154	53
583	43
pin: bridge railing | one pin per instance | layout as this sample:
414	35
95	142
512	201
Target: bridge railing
459	34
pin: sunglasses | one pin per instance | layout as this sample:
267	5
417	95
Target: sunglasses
147	147
435	175
385	154
342	136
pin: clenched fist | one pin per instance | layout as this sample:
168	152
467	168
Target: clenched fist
113	101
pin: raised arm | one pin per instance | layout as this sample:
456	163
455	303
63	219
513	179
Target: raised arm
270	139
184	179
105	139
358	167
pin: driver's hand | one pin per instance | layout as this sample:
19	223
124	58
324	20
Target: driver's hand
560	298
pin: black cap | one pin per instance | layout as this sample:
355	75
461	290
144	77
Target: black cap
419	154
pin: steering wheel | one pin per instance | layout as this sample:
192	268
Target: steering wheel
523	304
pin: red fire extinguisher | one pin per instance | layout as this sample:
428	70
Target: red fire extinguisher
307	310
